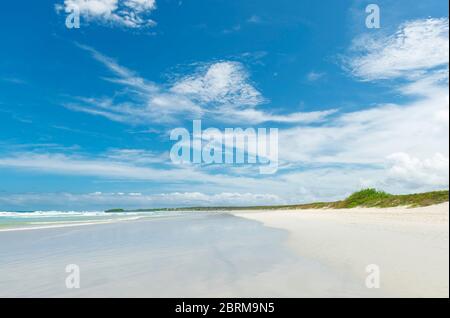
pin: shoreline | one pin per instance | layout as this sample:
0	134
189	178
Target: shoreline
305	253
199	255
39	224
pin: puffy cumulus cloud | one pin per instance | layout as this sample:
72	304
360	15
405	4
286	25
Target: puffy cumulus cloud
127	13
417	46
432	171
141	5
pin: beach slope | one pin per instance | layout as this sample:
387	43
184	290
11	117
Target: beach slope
410	246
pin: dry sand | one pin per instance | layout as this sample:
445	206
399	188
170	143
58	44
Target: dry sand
410	246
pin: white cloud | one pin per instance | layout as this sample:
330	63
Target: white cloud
112	165
429	171
126	165
255	116
369	136
225	88
324	161
141	5
221	91
124	75
222	82
13	80
417	46
137	156
148	102
224	198
255	19
127	13
372	138
314	76
397	147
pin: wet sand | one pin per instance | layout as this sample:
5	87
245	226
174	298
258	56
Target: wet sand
197	255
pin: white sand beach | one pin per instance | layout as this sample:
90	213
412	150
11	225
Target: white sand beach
410	246
307	253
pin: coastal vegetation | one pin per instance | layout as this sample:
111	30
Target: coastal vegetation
369	198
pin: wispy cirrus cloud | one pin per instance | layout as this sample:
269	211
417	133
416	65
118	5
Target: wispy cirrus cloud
126	13
255	116
124	164
417	46
370	136
220	90
147	102
255	19
13	80
314	76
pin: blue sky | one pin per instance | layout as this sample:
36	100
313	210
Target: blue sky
86	113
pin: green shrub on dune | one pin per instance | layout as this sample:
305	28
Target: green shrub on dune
381	199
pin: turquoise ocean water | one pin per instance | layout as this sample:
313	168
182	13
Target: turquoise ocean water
24	220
